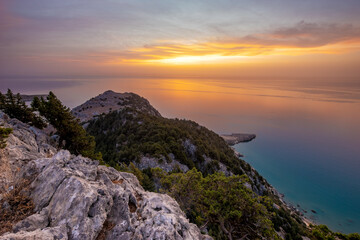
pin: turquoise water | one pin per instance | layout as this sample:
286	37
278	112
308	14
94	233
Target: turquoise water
314	176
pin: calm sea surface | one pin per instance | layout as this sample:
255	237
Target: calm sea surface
308	132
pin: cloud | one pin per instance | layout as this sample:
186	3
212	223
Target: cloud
305	34
7	19
302	38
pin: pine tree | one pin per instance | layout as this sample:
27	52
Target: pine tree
74	136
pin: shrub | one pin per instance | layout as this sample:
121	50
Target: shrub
4	133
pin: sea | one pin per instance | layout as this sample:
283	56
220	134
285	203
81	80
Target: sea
308	130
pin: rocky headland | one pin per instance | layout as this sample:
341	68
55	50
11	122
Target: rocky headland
236	138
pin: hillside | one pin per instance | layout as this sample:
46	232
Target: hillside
149	141
130	135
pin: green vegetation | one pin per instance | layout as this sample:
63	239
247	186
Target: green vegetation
322	232
127	135
226	209
72	135
4	133
15	107
146	182
222	204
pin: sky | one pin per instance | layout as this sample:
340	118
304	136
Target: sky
317	40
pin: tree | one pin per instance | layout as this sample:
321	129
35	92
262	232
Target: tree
15	107
72	135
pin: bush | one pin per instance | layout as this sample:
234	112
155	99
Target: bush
4	133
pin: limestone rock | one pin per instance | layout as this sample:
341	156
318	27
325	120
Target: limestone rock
151	162
75	198
58	233
24	144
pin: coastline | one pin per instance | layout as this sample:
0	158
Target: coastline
234	139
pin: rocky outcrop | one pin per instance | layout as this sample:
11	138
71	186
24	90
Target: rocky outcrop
75	198
24	144
168	166
111	101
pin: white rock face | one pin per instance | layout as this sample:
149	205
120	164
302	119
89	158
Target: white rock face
74	197
24	144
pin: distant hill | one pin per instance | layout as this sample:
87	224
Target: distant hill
29	98
110	101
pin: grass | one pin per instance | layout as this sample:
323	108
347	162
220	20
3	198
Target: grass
15	206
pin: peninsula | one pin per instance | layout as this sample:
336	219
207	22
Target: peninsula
236	138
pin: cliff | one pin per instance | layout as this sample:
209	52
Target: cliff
72	197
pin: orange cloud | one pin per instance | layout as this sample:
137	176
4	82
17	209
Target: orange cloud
221	52
303	38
